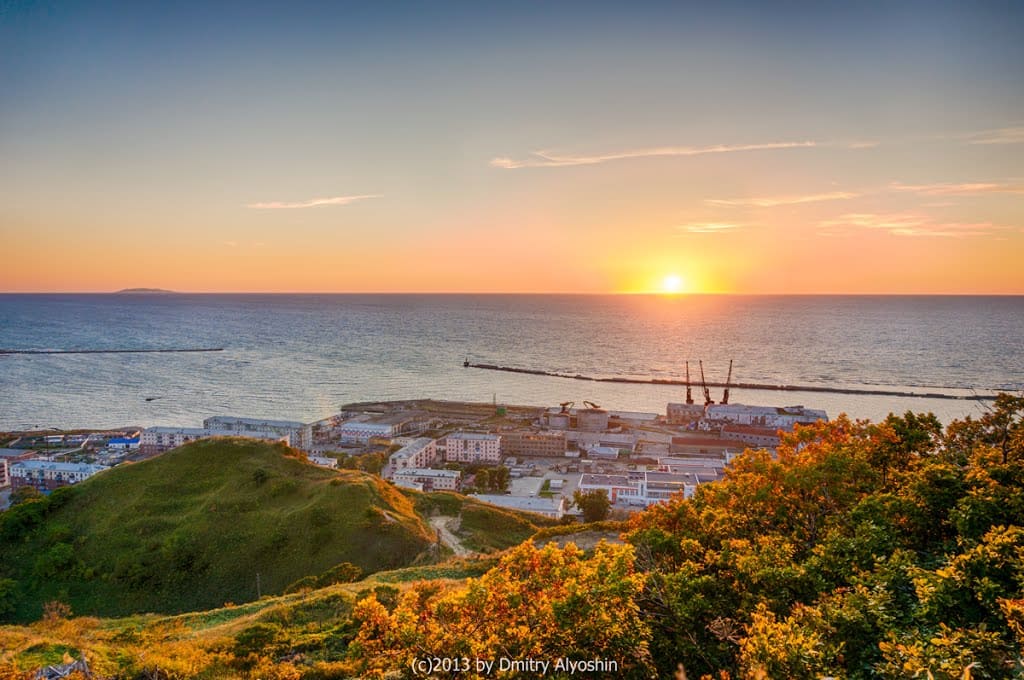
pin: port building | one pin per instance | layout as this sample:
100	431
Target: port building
776	417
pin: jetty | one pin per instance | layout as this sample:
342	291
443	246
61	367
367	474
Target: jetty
877	392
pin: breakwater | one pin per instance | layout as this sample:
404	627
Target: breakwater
878	392
110	351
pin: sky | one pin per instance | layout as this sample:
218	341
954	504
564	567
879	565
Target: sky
512	147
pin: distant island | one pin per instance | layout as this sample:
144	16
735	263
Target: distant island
145	291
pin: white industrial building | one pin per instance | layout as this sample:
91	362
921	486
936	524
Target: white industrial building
323	461
644	488
776	417
603	453
549	507
625	441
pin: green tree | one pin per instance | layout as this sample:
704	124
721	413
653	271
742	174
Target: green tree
8	593
593	504
25	494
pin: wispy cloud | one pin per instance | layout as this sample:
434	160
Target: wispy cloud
1006	135
313	203
961	189
908	224
773	201
549	159
708	227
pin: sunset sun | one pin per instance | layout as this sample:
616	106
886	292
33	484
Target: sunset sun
672	283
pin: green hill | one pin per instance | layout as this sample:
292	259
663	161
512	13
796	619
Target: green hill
193	528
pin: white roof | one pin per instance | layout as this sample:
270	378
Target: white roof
529	504
474	436
159	429
605	480
428	472
221	420
362	425
412	448
56	467
209	432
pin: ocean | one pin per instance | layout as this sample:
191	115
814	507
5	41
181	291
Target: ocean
300	357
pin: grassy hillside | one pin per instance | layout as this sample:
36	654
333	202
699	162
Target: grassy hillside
192	528
481	527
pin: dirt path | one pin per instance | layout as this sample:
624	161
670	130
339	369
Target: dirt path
443	525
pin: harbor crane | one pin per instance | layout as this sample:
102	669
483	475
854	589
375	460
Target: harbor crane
590	404
566	405
689	394
728	381
707	393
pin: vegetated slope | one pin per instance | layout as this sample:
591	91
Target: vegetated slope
480	527
194	527
860	551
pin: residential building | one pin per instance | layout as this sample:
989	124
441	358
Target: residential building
544	443
427	479
7	458
323	461
549	507
472	447
124	443
300	435
47	476
154	440
419	453
361	431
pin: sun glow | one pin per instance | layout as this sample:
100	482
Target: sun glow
672	284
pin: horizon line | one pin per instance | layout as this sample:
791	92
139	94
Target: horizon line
653	293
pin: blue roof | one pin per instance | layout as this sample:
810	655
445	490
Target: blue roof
123	440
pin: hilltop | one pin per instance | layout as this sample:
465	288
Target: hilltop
192	528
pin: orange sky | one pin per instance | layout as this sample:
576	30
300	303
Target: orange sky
739	152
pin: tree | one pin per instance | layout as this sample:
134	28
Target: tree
25	494
539	603
593	504
8	592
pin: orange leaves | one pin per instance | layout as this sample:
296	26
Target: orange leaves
537	603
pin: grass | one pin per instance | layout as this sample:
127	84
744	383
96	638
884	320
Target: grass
191	529
484	528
